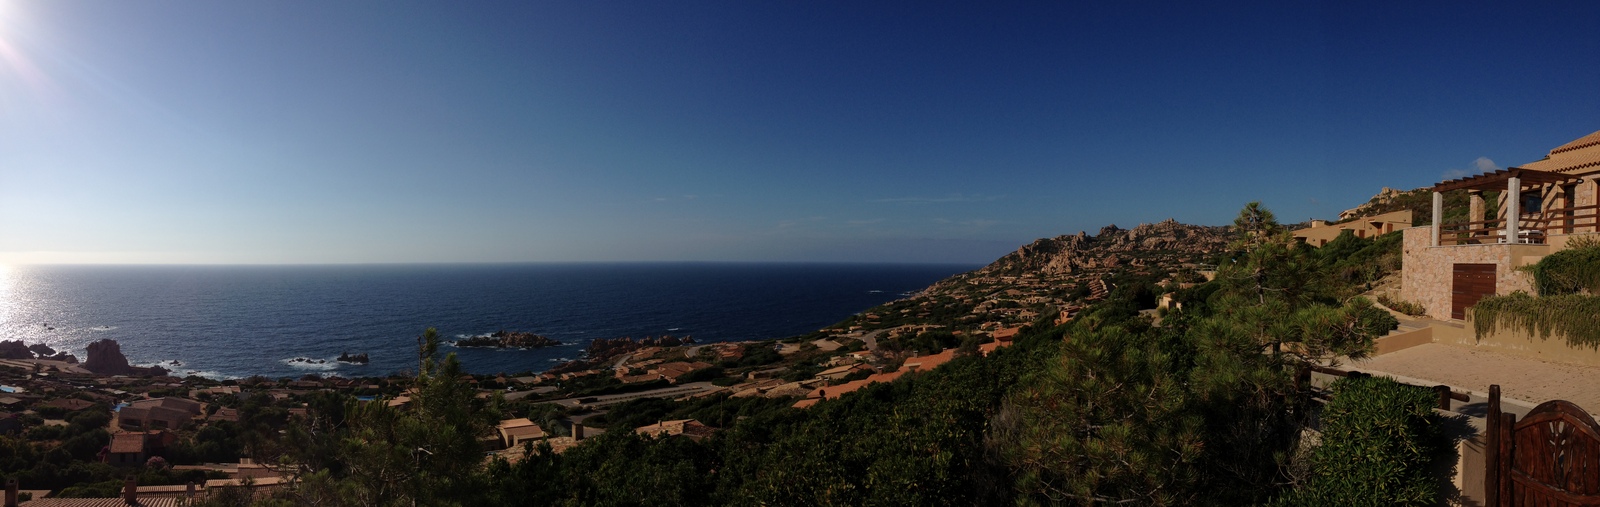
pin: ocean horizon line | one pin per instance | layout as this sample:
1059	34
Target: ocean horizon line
487	263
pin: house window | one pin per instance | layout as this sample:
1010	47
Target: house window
1532	203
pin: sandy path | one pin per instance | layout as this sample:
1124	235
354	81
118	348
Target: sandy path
1524	379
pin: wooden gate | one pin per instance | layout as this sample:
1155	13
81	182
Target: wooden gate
1551	458
1468	284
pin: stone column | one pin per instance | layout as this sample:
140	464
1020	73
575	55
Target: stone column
1475	207
1513	208
1438	215
1586	195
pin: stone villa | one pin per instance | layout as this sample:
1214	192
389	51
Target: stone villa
1449	267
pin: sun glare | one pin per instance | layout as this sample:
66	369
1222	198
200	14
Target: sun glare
12	59
5	287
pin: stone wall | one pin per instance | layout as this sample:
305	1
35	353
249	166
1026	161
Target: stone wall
1518	342
1427	271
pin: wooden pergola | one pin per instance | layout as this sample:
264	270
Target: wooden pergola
1512	180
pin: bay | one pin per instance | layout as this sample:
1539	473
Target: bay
235	321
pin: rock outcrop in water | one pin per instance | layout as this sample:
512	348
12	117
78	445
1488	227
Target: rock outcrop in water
503	339
16	349
105	358
346	357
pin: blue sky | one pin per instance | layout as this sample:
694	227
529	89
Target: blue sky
334	132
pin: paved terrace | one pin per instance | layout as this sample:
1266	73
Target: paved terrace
1524	382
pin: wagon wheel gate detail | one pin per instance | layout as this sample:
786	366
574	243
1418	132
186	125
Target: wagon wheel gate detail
1551	458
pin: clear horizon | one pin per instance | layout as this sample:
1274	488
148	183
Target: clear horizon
178	132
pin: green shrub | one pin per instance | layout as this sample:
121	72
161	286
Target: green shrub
703	374
103	489
51	412
1380	439
1402	306
1569	271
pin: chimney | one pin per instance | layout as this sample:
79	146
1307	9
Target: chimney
130	491
11	493
188	492
577	431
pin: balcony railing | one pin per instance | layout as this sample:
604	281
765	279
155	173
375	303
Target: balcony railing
1533	228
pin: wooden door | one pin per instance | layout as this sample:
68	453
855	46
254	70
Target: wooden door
1469	283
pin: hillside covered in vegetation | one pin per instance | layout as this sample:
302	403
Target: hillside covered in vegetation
1108	408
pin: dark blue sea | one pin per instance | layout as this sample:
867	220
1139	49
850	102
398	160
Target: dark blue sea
235	321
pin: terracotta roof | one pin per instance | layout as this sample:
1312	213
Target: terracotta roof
132	443
520	433
989	348
515	423
831	392
134	413
925	363
837	370
1580	156
167	490
170	403
1582	142
172	416
257	482
69	404
100	502
225	414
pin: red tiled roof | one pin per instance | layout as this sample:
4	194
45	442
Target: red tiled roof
1579	156
925	363
69	404
100	502
225	414
127	443
1582	142
177	404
